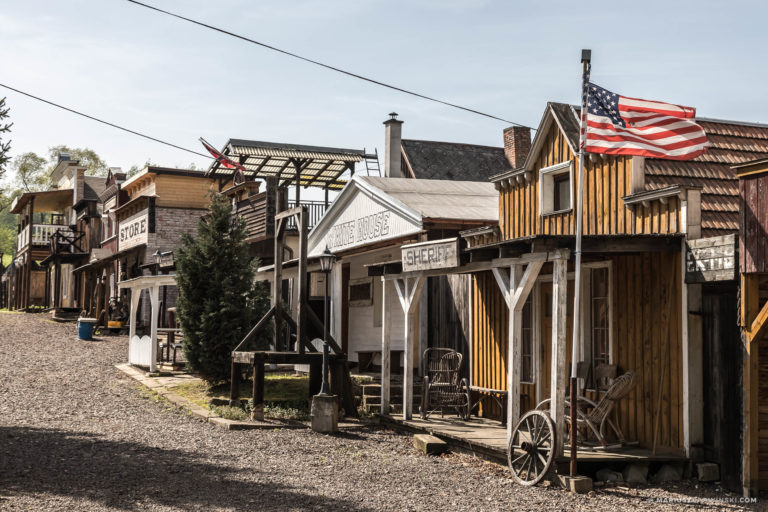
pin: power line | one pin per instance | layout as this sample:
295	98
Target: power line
327	66
113	125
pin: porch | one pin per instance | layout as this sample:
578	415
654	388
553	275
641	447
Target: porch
487	439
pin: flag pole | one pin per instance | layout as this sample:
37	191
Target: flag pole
586	58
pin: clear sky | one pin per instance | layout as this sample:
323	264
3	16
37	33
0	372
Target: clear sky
178	81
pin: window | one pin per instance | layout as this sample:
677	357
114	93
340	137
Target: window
526	348
555	190
562	190
599	326
360	292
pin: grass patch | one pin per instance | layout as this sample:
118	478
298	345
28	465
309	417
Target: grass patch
230	413
285	397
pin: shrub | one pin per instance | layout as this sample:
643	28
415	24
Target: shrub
218	299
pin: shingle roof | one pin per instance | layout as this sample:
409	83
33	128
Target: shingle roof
93	186
452	161
732	142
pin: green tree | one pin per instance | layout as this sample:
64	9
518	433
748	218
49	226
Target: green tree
218	300
5	147
30	173
88	158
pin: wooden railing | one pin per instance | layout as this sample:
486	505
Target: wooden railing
41	234
259	216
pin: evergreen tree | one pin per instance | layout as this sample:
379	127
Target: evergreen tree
218	300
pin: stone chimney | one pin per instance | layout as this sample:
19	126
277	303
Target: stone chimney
393	135
517	145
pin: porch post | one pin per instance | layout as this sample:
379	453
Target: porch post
134	305
154	296
386	343
557	382
408	291
514	353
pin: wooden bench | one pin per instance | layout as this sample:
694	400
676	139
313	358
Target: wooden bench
365	359
499	396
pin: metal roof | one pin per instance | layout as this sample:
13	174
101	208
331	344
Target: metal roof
441	199
306	165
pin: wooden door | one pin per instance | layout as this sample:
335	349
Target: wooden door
545	358
721	365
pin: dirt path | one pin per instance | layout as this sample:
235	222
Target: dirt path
76	434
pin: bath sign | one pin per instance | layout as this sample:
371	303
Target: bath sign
134	230
430	255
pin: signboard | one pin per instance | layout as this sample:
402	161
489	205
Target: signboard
710	259
134	230
363	221
430	255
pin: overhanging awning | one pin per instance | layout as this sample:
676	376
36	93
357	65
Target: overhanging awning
307	166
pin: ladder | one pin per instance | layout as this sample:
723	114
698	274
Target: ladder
372	163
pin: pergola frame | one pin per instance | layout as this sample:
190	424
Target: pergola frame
516	277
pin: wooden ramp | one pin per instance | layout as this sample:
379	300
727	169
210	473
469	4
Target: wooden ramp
488	439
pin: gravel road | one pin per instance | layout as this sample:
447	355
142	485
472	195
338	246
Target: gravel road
76	434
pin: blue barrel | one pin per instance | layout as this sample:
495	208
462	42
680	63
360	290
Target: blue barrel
85	328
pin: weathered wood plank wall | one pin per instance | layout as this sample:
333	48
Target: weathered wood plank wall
607	181
647	334
753	224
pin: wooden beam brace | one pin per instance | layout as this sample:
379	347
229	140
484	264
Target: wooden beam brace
289	213
256	328
525	285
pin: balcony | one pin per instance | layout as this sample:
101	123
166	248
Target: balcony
41	234
259	214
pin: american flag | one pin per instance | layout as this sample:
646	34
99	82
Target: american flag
618	125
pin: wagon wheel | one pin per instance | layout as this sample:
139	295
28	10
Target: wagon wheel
531	449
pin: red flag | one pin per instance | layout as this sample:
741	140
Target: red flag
223	160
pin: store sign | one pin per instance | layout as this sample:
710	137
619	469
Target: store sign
166	260
430	255
134	230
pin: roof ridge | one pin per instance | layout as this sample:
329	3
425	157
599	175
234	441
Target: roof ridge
454	143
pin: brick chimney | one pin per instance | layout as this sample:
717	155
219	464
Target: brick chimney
517	145
393	136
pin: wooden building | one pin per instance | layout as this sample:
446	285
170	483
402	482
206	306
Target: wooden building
659	286
659	282
56	230
753	268
99	295
156	206
369	223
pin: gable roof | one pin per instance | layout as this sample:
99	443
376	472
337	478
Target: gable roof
452	161
441	199
731	143
412	202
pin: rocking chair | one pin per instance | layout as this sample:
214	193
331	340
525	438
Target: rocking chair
592	417
443	388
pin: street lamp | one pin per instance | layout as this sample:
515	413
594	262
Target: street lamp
326	264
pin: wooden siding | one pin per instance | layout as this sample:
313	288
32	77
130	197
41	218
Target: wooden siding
647	333
607	182
753	223
183	191
762	442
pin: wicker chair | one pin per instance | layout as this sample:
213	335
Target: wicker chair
592	417
442	387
